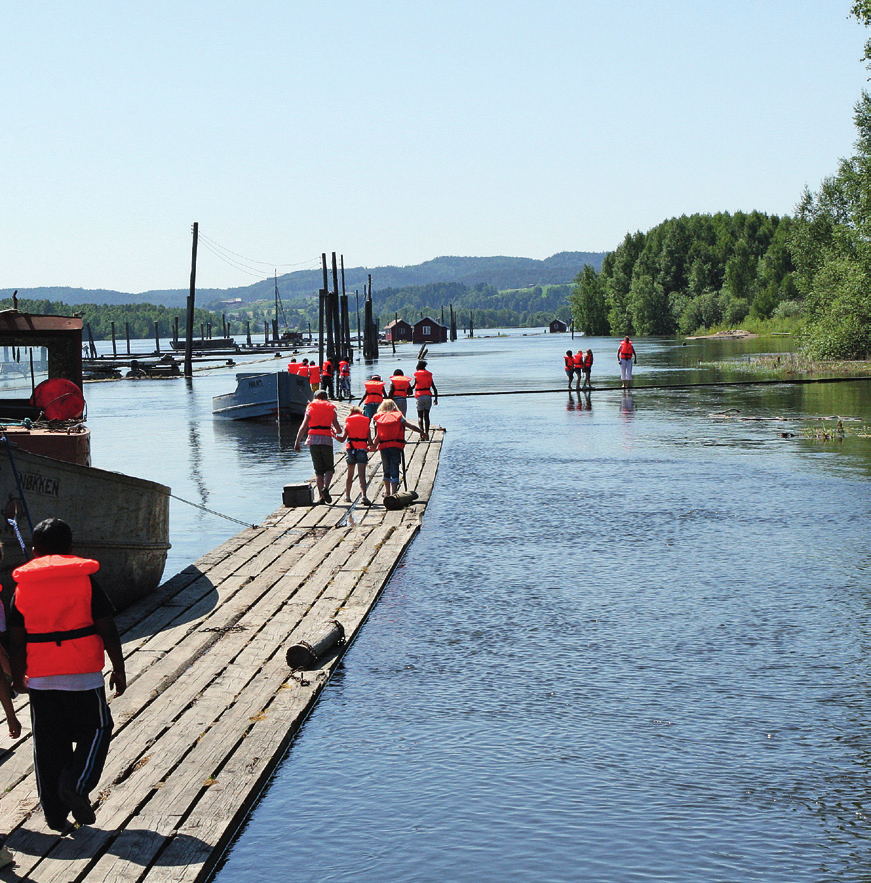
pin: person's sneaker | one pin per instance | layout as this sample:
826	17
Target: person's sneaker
326	493
79	805
58	822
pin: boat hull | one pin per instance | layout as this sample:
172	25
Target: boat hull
258	395
119	520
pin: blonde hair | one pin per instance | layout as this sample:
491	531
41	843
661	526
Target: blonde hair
356	409
387	405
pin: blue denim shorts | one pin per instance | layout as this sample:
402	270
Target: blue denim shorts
356	455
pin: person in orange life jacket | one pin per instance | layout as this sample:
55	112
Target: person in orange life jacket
358	442
303	369
344	380
626	356
60	625
314	375
587	367
327	372
373	396
578	362
569	359
390	436
318	427
425	395
292	366
398	390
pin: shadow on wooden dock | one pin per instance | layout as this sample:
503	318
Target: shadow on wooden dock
211	704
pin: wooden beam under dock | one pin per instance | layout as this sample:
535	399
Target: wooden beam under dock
211	704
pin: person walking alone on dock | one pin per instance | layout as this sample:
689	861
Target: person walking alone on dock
425	395
344	380
319	426
358	442
626	356
390	432
398	390
60	626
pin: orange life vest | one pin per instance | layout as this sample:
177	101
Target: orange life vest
293	367
570	362
302	370
391	432
344	369
400	386
314	374
577	360
588	361
53	594
357	427
321	414
327	369
422	383
626	351
374	392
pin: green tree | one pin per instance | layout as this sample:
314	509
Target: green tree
589	309
831	251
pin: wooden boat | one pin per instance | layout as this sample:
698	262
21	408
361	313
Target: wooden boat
45	464
258	395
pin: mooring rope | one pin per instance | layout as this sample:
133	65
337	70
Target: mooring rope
212	511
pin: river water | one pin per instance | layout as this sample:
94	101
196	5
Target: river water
629	643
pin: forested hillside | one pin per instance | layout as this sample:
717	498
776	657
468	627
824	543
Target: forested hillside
300	287
688	273
139	317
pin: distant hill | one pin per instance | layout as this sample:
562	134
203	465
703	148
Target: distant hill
498	272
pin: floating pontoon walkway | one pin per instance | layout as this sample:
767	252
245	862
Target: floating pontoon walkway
211	704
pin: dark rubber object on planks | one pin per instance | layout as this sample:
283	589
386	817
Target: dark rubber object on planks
297	495
400	500
302	654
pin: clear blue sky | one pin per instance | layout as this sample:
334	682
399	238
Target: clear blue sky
395	132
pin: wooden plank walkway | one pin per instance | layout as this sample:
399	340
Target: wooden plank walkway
211	704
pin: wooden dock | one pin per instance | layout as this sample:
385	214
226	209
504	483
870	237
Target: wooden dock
211	703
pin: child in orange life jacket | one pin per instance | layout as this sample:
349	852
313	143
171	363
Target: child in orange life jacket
319	427
425	395
358	438
60	629
398	390
587	367
569	359
390	431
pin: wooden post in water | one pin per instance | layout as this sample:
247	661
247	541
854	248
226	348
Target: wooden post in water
248	331
127	331
335	321
189	323
114	348
357	295
174	332
91	341
224	321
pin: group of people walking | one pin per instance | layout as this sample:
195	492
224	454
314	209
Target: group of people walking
335	380
579	365
378	423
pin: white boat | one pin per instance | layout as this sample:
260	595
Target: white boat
278	395
45	465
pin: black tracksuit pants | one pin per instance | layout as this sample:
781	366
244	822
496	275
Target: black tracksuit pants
71	734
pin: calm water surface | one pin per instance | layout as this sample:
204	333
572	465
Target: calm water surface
629	643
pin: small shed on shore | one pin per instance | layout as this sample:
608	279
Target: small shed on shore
558	327
397	330
429	331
